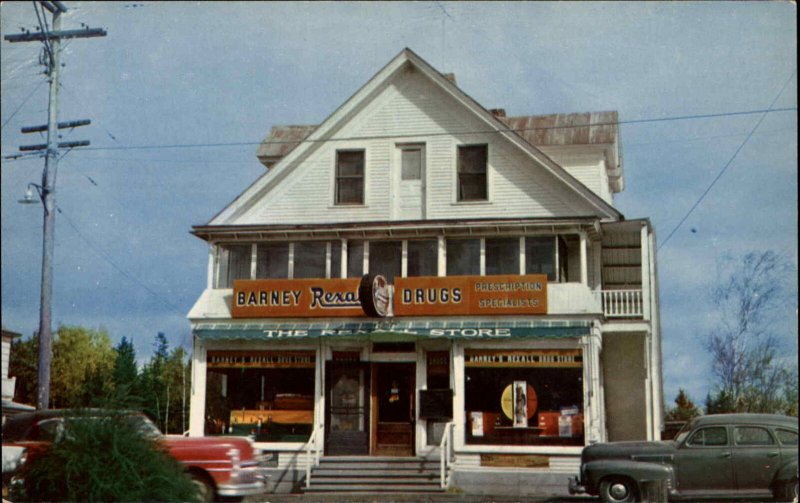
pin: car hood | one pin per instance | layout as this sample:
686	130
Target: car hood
639	451
218	446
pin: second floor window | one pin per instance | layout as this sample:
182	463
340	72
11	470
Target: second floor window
463	257
502	256
540	256
234	263
349	177
472	161
386	258
272	261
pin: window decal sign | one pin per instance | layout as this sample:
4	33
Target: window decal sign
470	295
261	359
290	298
558	358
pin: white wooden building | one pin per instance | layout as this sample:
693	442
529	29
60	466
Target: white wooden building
524	318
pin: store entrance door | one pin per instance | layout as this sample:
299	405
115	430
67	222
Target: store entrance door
347	409
393	409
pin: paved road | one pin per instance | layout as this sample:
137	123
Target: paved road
409	498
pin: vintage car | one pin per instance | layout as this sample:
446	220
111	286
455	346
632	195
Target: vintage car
222	467
718	456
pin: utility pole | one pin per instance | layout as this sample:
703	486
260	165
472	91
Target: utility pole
52	42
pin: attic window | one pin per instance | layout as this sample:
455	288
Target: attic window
349	177
472	172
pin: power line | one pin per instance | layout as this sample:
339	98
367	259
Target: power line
119	269
416	135
728	164
23	102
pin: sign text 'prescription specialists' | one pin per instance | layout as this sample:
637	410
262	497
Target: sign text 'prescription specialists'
470	295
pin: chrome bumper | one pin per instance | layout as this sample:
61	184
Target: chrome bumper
247	482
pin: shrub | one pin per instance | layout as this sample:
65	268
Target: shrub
105	459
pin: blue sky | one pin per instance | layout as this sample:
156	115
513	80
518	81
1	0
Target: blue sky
208	73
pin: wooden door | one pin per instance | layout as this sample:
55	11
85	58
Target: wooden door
393	409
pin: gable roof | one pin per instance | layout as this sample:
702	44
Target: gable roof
350	107
584	128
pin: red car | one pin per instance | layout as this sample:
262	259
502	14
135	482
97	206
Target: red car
222	467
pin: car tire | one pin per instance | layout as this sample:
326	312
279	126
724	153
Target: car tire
787	491
205	488
618	490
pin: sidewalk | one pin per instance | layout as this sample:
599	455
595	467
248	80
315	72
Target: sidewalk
409	498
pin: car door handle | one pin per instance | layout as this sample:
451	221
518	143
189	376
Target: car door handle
772	454
725	455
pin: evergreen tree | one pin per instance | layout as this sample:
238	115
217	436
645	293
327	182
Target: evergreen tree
153	385
127	389
684	408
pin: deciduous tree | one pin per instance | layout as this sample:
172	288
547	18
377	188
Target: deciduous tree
746	347
83	363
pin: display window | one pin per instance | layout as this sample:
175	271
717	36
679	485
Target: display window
267	395
436	402
524	397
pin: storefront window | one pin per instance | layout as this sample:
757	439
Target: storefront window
463	257
385	258
267	395
502	256
272	261
540	255
233	263
437	400
524	397
423	258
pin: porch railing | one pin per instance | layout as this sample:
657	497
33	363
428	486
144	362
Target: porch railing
312	455
622	303
446	454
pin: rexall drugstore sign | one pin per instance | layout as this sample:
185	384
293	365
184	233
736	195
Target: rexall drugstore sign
417	296
296	298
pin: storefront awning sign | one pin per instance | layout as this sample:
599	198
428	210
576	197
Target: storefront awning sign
408	330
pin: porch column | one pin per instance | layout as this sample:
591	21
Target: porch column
646	273
441	256
584	260
594	409
197	403
212	255
459	418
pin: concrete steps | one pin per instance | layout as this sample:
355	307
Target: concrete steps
370	474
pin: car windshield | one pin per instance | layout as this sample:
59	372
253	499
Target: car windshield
138	422
681	436
143	425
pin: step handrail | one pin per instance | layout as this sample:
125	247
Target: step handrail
311	462
445	450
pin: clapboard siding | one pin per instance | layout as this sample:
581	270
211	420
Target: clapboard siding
585	163
411	105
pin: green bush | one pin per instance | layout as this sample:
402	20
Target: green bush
105	459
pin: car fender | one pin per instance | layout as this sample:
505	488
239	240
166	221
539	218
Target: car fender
595	471
785	473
